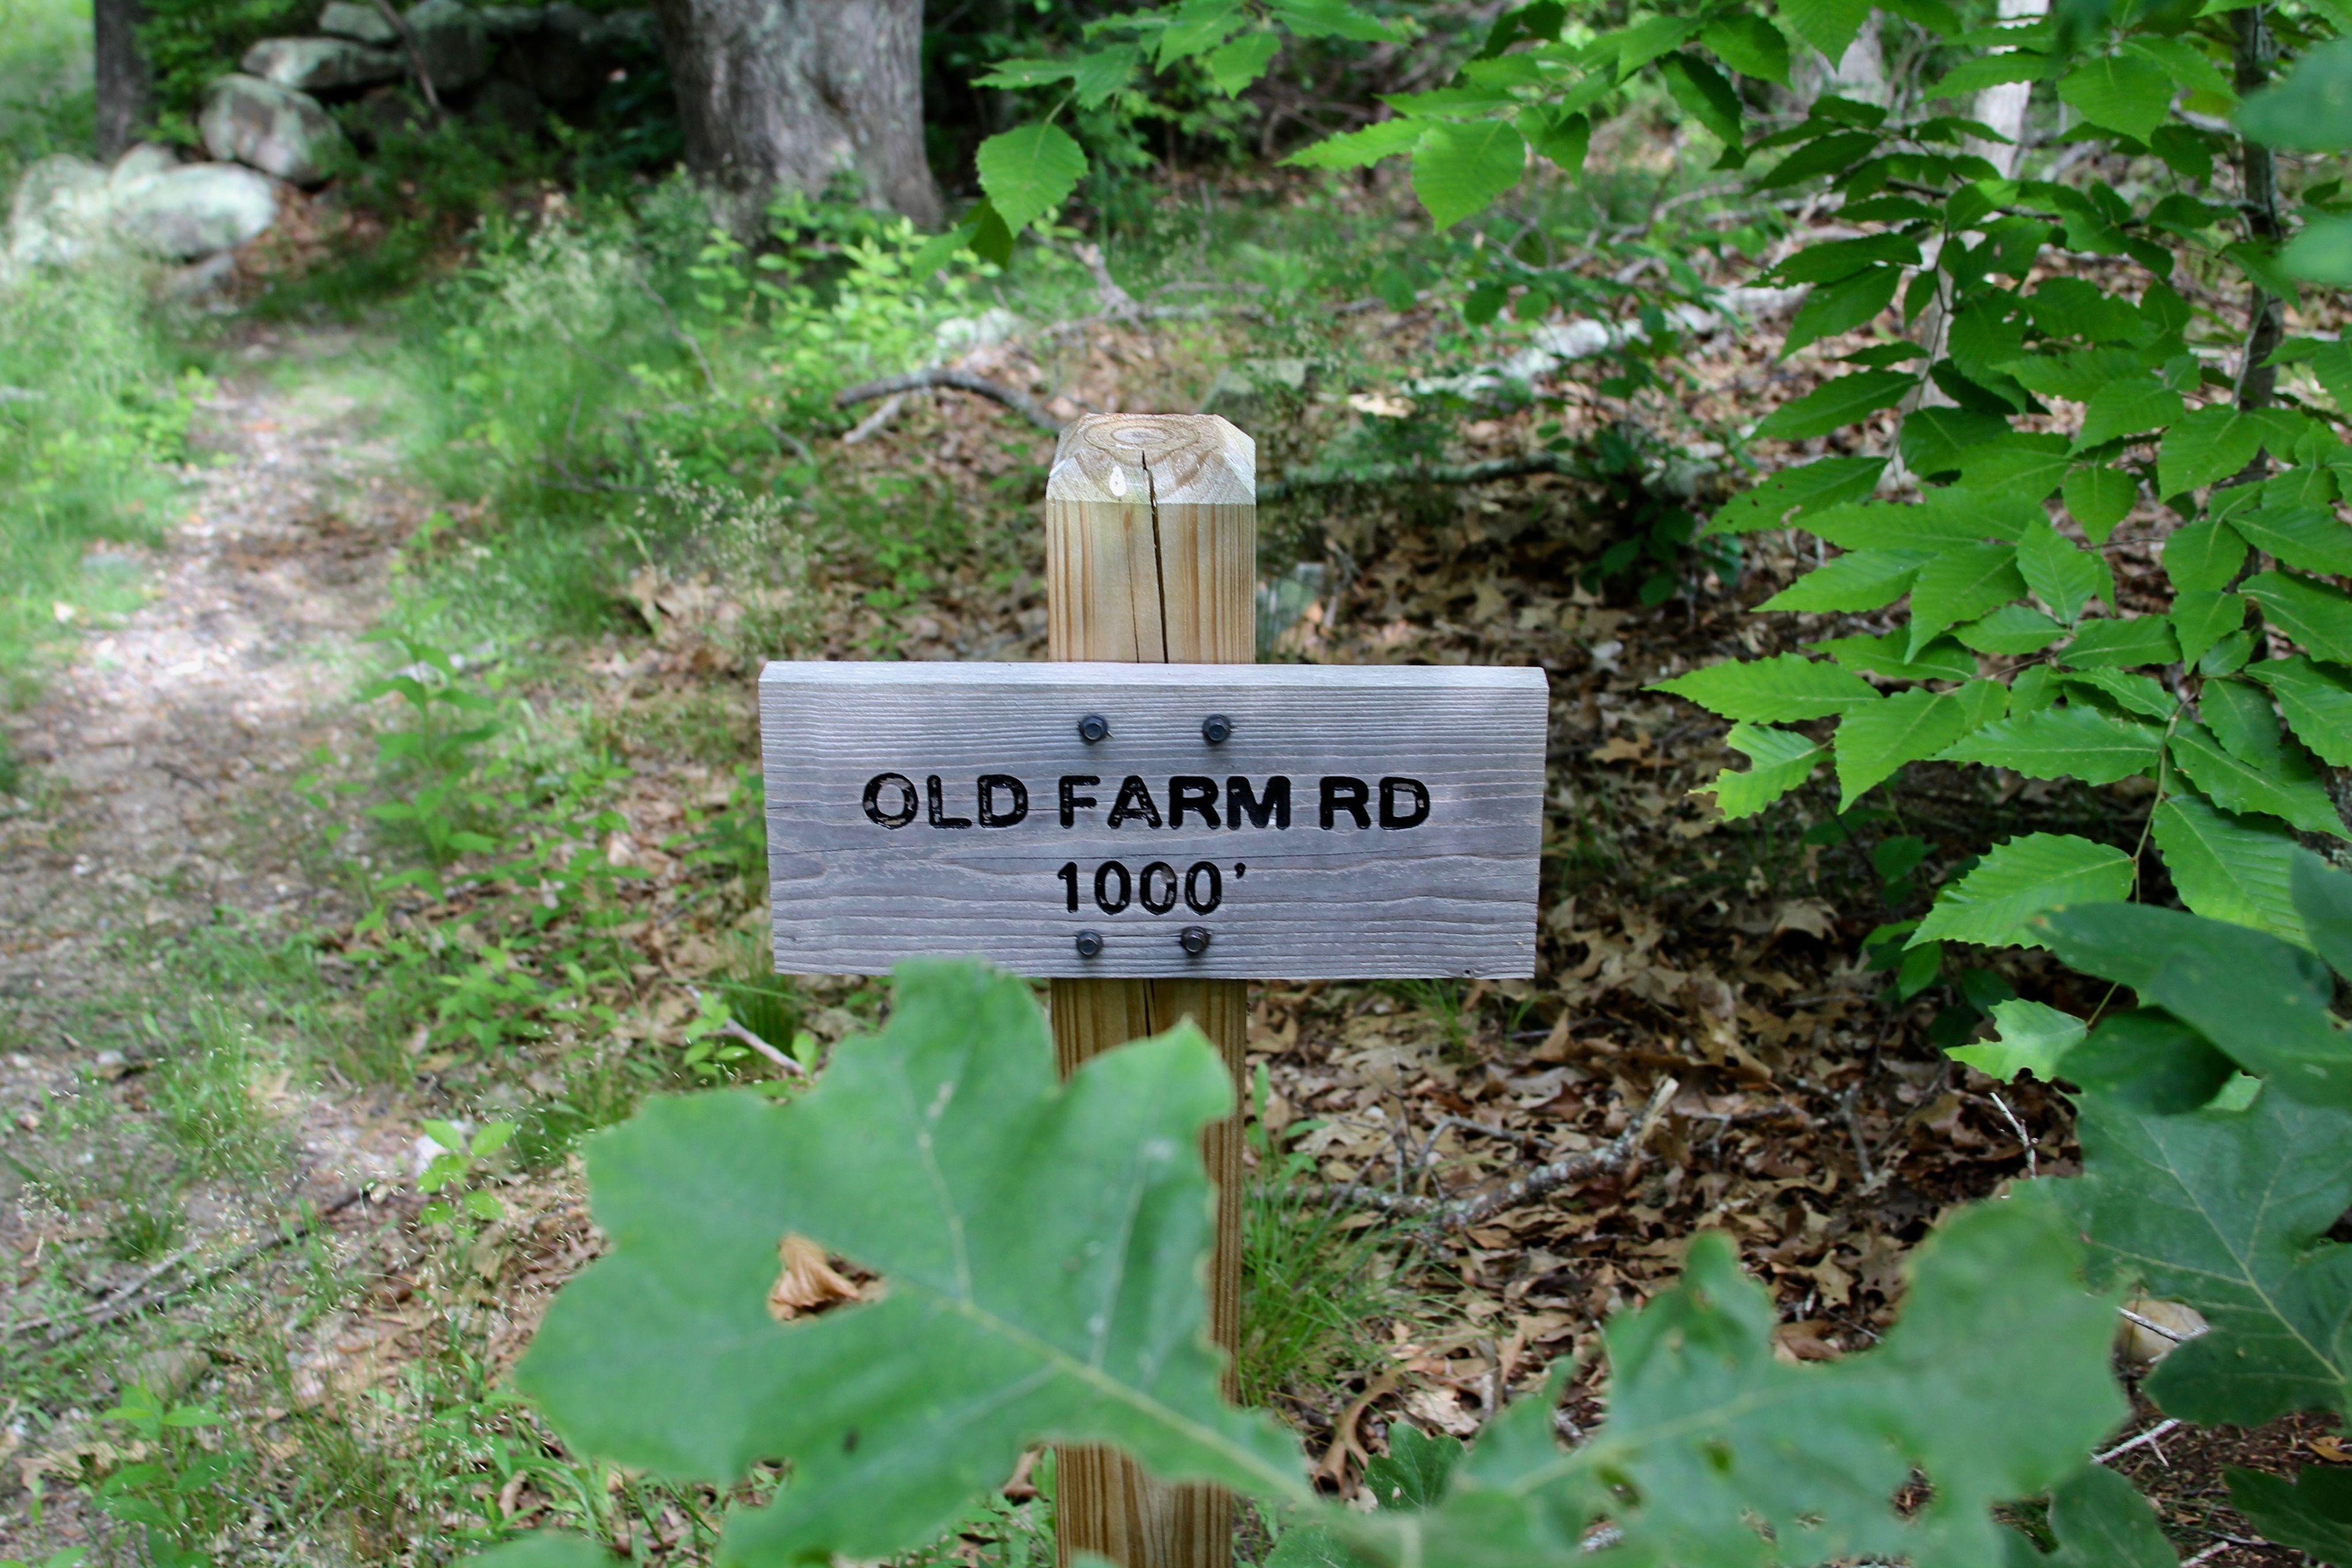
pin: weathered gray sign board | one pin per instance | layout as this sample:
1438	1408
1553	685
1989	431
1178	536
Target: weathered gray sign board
1147	821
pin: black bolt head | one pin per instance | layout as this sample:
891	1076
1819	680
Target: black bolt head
1195	940
1216	729
1089	944
1094	727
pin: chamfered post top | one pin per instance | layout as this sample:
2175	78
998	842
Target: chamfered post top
1165	459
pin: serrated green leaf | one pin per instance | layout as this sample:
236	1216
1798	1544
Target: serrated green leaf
2317	704
1235	65
2127	408
2312	1513
1830	309
2229	868
1934	438
2120	644
1779	759
1360	149
1028	171
2078	375
1858	580
1333	19
1941	518
1807	487
2121	92
1971	76
1774	690
2307	538
2077	308
2032	1038
2061	574
1835	404
1647	38
2311	110
2224	1210
2018	879
2201	618
1020	1304
1959	584
2016	464
2012	630
2261	1000
2210	444
2203	557
1704	96
1875	739
2140	694
2314	614
2291	792
1829	25
2102	1522
1696	1463
1885	655
1459	168
1832	260
2240	716
2064	742
1750	45
1197	26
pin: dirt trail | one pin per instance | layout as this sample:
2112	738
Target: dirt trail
161	754
158	768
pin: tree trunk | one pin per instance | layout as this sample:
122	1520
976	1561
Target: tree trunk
792	92
2002	107
123	87
2265	316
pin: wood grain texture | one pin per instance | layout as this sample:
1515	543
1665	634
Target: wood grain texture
1167	580
1454	894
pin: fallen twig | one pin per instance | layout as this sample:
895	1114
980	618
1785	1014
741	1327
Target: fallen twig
2150	1436
131	1303
2154	1328
1457	1213
1298	481
961	381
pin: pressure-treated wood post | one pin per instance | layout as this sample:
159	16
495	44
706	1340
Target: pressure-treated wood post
1151	557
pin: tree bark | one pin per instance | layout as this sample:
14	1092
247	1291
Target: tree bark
124	88
2251	56
793	92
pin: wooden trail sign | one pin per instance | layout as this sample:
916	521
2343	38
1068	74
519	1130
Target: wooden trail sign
1108	820
1431	781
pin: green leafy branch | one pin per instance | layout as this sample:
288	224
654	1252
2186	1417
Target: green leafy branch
1040	1250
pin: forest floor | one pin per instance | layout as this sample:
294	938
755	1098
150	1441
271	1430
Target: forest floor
212	1190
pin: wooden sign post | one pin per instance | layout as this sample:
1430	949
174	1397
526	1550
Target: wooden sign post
1151	838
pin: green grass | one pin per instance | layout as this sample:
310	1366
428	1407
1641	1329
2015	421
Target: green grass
45	98
94	397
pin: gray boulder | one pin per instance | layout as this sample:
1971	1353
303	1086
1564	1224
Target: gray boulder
507	22
195	210
452	43
57	211
139	164
361	22
320	65
270	128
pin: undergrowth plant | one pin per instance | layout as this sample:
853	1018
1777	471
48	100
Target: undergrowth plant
1041	1248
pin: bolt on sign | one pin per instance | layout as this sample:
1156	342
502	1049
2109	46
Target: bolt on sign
1148	821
